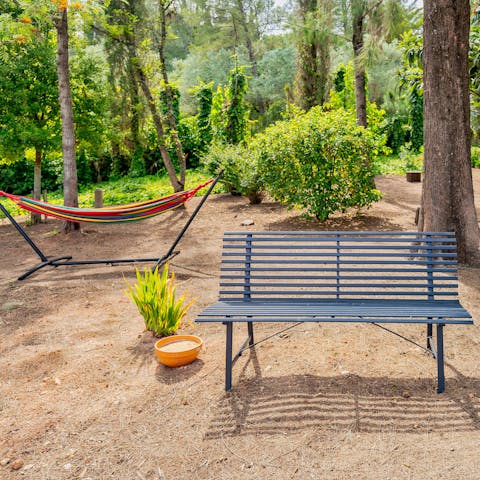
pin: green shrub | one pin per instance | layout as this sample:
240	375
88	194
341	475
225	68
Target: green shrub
396	132
320	161
240	166
192	144
154	295
412	160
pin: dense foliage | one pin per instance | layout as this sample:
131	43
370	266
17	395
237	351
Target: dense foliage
240	166
320	161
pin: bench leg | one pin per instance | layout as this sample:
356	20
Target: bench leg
440	364
250	333
228	359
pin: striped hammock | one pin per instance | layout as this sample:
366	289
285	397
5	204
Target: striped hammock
114	214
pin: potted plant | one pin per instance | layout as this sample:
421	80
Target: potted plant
412	164
154	294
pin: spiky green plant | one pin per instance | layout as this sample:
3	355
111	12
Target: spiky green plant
154	295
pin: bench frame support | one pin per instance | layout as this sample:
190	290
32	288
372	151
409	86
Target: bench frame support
230	359
435	350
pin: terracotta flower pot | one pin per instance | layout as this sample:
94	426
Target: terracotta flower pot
178	350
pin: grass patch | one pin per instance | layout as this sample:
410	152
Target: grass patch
399	164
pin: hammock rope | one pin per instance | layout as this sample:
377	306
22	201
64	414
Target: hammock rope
113	214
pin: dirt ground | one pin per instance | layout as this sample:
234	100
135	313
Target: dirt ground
82	395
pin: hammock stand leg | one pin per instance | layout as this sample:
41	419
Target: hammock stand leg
162	260
45	261
66	260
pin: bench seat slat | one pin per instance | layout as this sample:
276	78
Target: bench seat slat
299	318
278	261
359	243
331	277
341	247
357	308
343	270
333	254
343	292
345	234
343	285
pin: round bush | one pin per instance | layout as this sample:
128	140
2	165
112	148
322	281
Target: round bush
320	161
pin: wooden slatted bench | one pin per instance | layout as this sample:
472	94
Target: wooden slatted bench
368	277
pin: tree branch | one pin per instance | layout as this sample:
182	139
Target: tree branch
371	9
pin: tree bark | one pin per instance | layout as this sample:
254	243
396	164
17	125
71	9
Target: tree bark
176	184
134	109
360	75
70	183
171	117
447	195
251	51
313	63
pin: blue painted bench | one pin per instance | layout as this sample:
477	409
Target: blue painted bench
367	277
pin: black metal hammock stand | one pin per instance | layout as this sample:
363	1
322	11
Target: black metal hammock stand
117	214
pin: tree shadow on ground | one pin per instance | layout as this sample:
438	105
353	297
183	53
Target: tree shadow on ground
291	403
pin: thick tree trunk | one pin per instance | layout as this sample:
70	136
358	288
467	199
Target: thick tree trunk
306	91
313	63
37	183
70	183
447	196
360	75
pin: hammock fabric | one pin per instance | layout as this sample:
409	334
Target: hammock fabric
124	213
114	214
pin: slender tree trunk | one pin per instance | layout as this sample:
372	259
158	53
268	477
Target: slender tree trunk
176	184
168	91
137	161
37	183
251	51
134	109
447	195
360	75
70	183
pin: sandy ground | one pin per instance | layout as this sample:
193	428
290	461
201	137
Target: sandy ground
82	395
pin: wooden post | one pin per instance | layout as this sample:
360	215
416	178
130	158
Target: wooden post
34	217
45	199
98	198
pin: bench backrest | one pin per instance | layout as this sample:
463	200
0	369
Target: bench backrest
272	265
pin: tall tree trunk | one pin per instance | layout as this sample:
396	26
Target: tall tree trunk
251	51
37	183
70	183
447	195
360	75
176	183
168	91
313	45
134	109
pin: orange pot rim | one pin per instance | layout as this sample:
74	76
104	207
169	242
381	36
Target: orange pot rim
176	338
